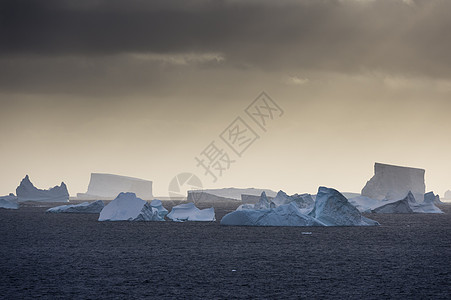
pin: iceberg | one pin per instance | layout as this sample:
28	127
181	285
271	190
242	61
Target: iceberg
333	209
430	197
447	195
156	204
82	208
189	212
394	182
252	199
408	205
397	207
128	207
283	215
9	202
26	191
108	186
225	194
303	201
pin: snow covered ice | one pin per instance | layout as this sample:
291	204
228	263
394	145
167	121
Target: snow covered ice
26	191
189	212
394	182
9	202
82	208
128	207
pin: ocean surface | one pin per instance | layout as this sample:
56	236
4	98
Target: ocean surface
74	256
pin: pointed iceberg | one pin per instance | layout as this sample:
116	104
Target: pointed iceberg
26	191
333	209
128	207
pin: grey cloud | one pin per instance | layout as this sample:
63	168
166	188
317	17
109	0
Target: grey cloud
345	36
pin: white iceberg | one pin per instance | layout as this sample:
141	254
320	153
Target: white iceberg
26	191
128	207
158	205
303	201
333	209
394	182
82	208
108	186
447	195
9	202
283	215
189	212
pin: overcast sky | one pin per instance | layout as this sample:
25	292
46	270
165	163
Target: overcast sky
141	88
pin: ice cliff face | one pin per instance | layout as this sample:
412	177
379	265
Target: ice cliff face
108	186
189	212
82	208
333	209
394	182
9	202
128	207
26	191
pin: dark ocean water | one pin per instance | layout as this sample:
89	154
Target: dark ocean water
74	256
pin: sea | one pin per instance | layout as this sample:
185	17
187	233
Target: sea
73	256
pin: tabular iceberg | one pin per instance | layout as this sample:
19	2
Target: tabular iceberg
394	182
82	208
108	186
333	209
9	202
447	195
225	194
128	207
26	191
189	212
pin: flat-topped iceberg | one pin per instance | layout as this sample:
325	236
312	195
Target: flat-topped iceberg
26	191
128	207
189	212
333	209
82	208
9	202
394	182
225	194
108	186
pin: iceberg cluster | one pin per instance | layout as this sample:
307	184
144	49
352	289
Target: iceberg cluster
128	207
82	208
9	202
331	208
26	191
189	212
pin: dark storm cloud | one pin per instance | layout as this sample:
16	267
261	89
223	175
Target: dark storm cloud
343	36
